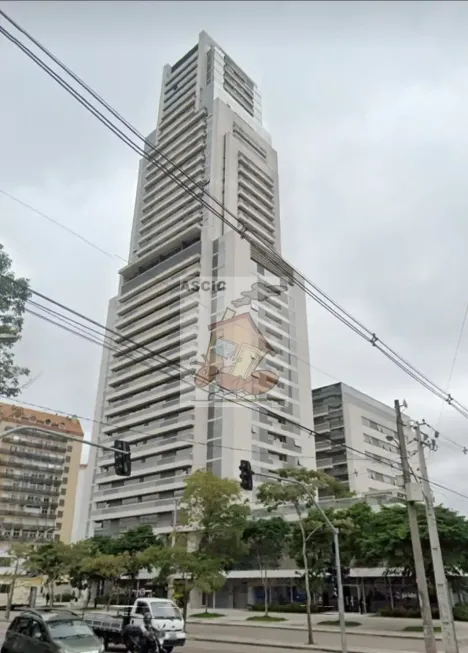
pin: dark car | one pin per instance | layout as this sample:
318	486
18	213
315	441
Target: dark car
36	631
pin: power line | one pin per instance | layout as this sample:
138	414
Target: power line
108	254
313	291
223	446
61	225
320	298
454	360
252	406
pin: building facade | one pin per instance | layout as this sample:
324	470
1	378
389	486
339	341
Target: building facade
38	474
79	521
345	417
195	297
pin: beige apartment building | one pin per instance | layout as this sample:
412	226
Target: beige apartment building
38	474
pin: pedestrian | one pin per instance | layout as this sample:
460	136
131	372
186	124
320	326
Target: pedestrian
47	598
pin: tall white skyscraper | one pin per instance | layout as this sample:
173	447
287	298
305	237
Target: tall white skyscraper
192	301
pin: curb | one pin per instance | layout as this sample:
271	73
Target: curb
283	645
350	631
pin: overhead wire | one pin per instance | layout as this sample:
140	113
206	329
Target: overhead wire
223	446
454	361
273	257
61	225
252	406
316	293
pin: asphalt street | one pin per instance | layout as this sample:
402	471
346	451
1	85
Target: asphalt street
246	639
357	642
199	647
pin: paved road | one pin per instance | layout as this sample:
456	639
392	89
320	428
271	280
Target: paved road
356	642
202	647
248	639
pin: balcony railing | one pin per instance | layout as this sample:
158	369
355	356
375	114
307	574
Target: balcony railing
136	487
133	508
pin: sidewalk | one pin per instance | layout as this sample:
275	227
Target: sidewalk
371	625
285	646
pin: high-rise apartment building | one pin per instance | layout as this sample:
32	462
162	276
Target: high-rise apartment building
38	474
191	302
79	521
356	440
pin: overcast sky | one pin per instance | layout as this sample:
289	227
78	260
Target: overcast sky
367	104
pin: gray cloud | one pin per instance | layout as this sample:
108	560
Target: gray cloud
367	106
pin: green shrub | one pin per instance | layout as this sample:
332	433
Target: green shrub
336	622
267	618
403	612
460	612
289	608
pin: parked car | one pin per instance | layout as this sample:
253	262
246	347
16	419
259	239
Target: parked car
50	631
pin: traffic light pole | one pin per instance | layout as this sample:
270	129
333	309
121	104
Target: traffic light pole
336	542
122	453
65	436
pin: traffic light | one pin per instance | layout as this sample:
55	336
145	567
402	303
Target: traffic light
246	475
122	460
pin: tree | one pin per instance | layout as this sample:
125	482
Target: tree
81	576
132	544
297	489
387	541
212	507
51	560
320	544
14	293
102	543
208	577
158	558
18	554
106	567
134	540
267	540
185	564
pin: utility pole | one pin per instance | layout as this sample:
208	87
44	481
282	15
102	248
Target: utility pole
175	515
443	599
411	497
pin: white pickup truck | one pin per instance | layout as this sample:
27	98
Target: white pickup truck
166	618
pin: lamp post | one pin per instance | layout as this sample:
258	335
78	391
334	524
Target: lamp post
336	542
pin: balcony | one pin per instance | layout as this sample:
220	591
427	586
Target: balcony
138	273
137	508
42	444
139	304
323	427
161	465
160	345
152	363
168	386
324	462
157	445
150	326
154	410
135	488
